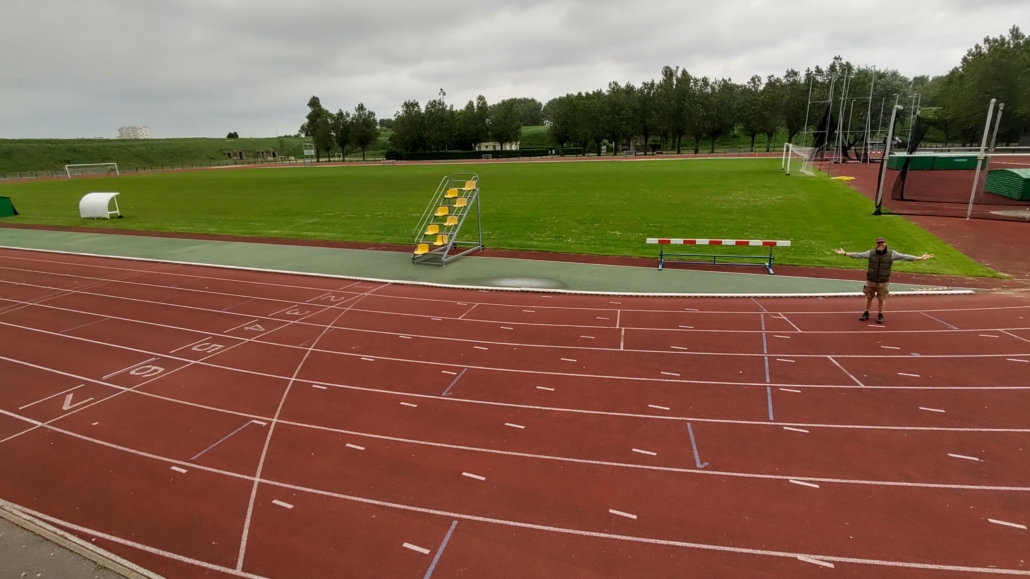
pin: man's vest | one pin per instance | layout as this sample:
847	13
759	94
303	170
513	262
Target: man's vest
880	266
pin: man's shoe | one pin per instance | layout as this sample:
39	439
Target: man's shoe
879	318
865	316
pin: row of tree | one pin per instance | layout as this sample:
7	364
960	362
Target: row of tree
342	129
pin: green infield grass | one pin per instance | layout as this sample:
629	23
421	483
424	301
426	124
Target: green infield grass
606	208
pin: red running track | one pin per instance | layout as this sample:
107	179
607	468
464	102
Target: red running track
204	422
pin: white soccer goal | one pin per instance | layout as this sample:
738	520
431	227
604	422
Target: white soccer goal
794	153
99	169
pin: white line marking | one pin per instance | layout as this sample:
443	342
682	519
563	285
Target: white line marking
688	327
622	514
891	347
368	359
178	469
691	310
127	369
618	303
791	390
319	387
988	336
259	423
784	360
475	476
1013	525
784	318
436	319
416	548
68	402
1016	360
678	348
568	360
409	404
480	348
587	337
506	328
461	304
850	375
647	452
49	397
190	344
658	407
907	374
931	409
964	457
803	483
600	318
545	388
405	337
795	429
815	561
449	372
670	373
282	504
779	336
95	423
513	425
529	311
355	447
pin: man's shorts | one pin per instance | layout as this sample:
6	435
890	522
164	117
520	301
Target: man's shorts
877	290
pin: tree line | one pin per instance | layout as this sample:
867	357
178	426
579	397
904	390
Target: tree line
342	129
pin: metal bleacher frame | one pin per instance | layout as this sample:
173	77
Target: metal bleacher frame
436	236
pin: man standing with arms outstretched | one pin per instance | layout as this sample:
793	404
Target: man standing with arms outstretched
878	275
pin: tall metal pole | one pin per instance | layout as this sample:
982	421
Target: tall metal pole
994	137
804	133
980	158
869	115
886	156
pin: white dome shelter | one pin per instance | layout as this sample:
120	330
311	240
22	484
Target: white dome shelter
98	206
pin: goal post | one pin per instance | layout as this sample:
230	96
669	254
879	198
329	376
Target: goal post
795	154
96	169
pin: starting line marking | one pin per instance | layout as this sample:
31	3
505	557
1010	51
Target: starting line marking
600	318
177	469
803	483
658	407
436	319
1007	524
470	475
988	336
368	359
568	360
282	504
688	327
480	347
670	373
931	409
587	337
815	561
319	387
409	404
964	456
49	397
545	388
506	328
784	360
627	515
1016	360
449	372
405	337
784	337
891	347
795	429
647	452
355	447
791	390
513	425
678	348
127	369
909	375
416	548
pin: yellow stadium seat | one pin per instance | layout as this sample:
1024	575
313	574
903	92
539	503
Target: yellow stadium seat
440	240
451	221
433	229
441	211
461	202
422	249
470	185
451	194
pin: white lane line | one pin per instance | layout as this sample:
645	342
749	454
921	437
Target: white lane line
461	304
178	469
688	327
506	328
1016	360
355	447
658	407
691	310
529	311
618	303
243	324
647	452
190	344
795	429
127	369
815	561
670	373
449	372
481	347
678	348
587	337
368	359
282	504
784	360
964	457
890	347
791	390
259	423
544	388
600	318
404	337
907	374
319	387
988	336
779	336
803	483
568	360
1007	524
49	397
931	409
514	425
436	319
475	476
622	514
409	404
416	548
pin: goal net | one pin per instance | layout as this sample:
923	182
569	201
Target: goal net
800	157
92	169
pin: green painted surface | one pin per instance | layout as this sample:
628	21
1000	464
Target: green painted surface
475	271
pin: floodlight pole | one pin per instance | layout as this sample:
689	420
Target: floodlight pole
886	156
869	116
980	158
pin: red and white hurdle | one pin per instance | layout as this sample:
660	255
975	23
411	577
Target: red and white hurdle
767	259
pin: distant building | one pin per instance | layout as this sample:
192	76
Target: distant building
133	132
495	146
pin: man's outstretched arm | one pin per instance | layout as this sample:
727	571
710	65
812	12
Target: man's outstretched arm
852	254
898	256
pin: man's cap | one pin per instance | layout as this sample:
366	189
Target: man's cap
881	240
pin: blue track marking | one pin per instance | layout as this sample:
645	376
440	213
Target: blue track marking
436	559
693	444
455	382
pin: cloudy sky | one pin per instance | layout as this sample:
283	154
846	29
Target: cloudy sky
82	68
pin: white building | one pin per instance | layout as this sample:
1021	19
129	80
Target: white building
495	146
133	132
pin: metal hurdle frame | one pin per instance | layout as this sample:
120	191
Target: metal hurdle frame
713	258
